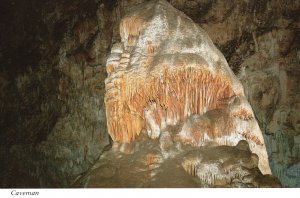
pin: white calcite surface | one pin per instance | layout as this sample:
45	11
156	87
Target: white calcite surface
166	72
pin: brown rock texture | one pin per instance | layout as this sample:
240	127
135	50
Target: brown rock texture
244	31
51	120
52	117
166	71
148	163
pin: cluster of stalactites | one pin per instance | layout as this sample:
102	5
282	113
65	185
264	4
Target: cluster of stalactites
130	28
162	100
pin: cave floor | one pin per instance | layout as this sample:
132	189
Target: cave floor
147	163
145	168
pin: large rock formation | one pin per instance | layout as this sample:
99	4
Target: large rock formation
165	72
260	40
53	55
165	163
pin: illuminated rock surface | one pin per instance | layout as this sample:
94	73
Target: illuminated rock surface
53	57
167	72
149	163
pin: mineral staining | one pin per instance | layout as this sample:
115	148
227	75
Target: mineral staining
167	72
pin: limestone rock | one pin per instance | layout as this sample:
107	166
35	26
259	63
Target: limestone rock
52	117
152	165
167	71
226	166
49	122
271	74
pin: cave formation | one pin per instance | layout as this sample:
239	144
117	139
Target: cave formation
168	71
139	94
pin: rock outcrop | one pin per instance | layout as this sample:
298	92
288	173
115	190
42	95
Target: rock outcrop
52	117
148	163
260	40
53	55
166	72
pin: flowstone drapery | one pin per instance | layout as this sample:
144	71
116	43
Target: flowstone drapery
167	72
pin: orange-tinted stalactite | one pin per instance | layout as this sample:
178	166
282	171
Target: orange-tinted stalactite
174	95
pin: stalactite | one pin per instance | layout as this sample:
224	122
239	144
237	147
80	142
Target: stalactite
251	137
153	83
163	103
130	28
243	114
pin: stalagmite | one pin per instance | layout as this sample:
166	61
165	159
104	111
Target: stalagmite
167	71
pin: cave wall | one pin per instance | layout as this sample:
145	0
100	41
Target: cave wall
52	58
260	40
53	125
